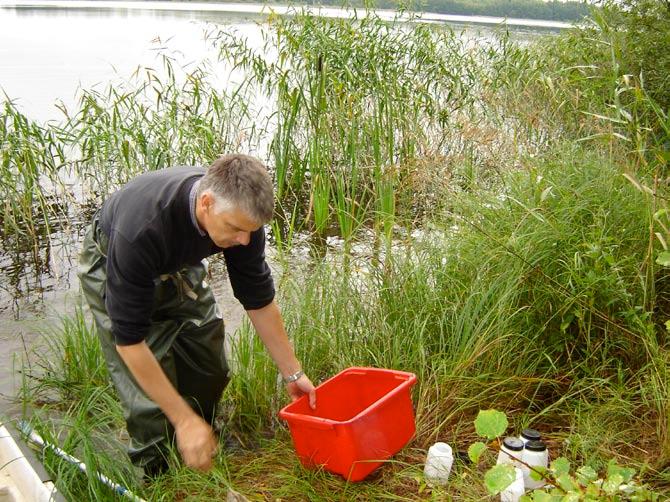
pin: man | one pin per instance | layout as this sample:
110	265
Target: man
161	333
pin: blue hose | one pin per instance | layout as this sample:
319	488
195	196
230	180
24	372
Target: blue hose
35	438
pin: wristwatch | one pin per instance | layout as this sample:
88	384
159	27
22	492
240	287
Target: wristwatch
295	376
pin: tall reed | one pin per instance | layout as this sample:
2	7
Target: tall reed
354	100
31	158
159	119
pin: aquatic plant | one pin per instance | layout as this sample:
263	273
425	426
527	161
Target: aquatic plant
31	158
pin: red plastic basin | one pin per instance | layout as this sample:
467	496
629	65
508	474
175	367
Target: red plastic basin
363	416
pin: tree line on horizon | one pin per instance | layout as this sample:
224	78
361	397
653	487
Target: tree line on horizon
554	10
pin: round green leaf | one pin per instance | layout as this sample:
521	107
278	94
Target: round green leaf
571	497
626	473
560	466
593	491
499	477
586	474
491	423
539	496
566	482
612	484
475	451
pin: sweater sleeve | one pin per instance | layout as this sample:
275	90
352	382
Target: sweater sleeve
249	273
131	268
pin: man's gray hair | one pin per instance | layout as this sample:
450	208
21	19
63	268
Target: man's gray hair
240	181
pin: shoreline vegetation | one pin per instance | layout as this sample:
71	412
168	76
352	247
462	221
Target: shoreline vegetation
505	226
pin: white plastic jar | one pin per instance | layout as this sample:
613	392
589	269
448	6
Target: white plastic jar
529	435
510	452
439	460
535	454
514	491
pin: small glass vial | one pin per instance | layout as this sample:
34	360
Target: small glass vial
535	454
438	464
529	435
510	451
514	491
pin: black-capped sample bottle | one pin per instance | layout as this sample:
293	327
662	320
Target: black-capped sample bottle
530	435
511	451
535	454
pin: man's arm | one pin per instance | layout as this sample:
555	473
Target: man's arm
195	438
270	327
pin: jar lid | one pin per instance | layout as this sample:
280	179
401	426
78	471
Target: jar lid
536	445
531	435
512	443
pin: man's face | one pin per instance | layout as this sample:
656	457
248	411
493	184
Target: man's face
228	228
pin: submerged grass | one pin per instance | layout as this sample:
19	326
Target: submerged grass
69	400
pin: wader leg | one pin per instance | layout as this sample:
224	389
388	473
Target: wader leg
198	350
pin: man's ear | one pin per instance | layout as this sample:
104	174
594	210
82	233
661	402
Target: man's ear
206	200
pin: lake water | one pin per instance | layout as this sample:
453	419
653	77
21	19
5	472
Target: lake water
48	50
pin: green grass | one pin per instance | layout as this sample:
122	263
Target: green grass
358	106
534	305
69	400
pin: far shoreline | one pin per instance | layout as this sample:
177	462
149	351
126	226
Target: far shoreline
284	10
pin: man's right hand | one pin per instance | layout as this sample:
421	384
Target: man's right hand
196	442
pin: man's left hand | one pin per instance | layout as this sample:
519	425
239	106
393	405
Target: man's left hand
302	386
